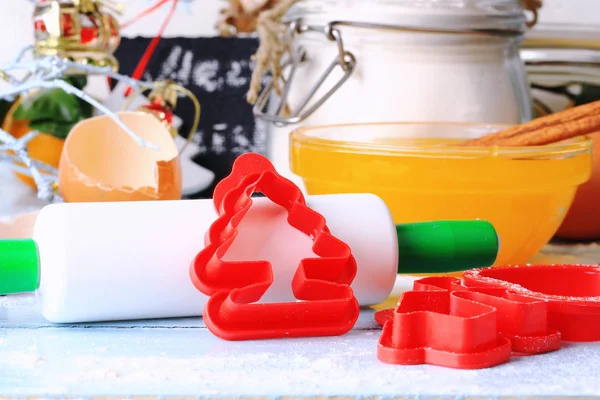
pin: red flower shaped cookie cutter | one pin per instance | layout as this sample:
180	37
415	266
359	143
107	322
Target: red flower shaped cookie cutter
327	304
571	291
461	327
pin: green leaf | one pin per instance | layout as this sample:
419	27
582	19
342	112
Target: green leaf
79	81
57	129
52	104
55	111
87	110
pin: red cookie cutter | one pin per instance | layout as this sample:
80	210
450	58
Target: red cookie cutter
442	328
327	304
571	291
520	319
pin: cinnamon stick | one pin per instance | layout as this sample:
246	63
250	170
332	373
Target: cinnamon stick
567	124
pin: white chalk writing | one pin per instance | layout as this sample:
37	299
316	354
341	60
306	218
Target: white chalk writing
205	75
183	66
218	143
241	144
180	65
186	68
169	67
234	77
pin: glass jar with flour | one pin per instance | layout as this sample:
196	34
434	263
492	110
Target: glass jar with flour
398	60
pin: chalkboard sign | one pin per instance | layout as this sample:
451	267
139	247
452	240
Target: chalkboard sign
217	70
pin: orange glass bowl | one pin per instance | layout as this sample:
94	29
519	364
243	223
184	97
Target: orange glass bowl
423	175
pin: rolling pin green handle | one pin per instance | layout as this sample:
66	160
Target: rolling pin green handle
446	246
19	262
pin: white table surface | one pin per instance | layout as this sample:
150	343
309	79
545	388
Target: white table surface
181	358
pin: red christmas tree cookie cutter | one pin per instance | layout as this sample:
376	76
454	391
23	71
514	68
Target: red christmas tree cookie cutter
456	342
327	304
571	291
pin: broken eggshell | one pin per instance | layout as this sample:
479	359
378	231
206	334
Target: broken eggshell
101	162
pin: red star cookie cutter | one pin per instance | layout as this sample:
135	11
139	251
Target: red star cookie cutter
326	305
571	291
455	327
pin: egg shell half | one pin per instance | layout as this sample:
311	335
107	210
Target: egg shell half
101	162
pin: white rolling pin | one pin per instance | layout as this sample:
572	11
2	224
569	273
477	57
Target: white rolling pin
123	261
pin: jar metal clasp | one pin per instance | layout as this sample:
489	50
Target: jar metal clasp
344	59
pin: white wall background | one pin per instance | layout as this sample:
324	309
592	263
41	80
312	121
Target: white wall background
16	29
197	18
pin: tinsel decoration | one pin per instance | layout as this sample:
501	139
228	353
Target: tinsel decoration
47	73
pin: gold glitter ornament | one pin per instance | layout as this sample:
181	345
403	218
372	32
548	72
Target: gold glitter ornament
83	31
162	103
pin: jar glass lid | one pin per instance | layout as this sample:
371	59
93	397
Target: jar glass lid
501	15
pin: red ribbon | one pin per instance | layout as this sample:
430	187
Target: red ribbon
143	64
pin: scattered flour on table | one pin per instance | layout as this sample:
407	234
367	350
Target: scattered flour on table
335	370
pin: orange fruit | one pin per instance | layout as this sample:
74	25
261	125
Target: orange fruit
583	219
44	147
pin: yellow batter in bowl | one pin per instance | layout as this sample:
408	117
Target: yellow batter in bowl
423	175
